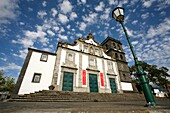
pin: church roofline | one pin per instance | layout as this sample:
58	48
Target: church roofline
90	36
110	38
41	51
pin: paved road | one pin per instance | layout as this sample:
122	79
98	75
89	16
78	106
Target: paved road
83	107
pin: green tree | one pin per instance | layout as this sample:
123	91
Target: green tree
155	75
7	83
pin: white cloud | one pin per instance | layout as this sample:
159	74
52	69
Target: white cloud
63	18
73	16
23	53
163	13
135	22
47	49
130	32
66	7
68	27
151	41
56	28
82	26
10	66
79	35
135	42
31	37
162	29
54	12
113	2
63	37
30	9
84	1
147	3
144	16
41	14
50	33
3	59
26	42
21	23
44	3
100	7
61	30
91	18
106	14
8	10
162	4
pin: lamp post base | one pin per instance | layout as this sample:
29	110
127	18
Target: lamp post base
150	104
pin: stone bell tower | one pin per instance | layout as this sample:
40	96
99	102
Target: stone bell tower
114	49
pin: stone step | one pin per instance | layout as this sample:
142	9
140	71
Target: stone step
49	100
46	95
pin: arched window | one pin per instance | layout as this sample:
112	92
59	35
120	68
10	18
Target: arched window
119	48
121	57
116	55
106	46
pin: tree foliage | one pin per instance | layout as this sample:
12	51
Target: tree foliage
7	83
155	75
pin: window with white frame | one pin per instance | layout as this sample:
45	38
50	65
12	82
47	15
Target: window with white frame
44	57
85	48
36	78
70	57
96	51
110	65
92	62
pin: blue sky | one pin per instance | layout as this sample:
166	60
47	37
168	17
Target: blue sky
41	24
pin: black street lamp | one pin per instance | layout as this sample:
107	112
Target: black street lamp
118	15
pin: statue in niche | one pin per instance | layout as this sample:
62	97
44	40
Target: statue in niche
91	50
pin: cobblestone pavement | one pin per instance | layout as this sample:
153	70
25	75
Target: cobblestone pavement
84	107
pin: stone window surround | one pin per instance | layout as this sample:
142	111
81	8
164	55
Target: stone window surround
70	57
110	71
88	53
109	64
95	65
34	80
67	57
42	57
85	48
97	52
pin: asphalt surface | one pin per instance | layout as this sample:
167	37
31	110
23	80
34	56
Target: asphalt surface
84	107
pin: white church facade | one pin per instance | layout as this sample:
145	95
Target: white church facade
85	66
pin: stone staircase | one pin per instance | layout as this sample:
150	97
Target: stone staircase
58	96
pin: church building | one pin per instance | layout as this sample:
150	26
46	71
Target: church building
84	66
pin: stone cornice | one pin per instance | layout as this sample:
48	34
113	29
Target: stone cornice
111	74
115	50
69	67
92	69
88	53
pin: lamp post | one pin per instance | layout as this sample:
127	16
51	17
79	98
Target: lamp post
118	15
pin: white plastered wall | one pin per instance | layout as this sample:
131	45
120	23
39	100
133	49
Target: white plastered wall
37	66
77	64
126	86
